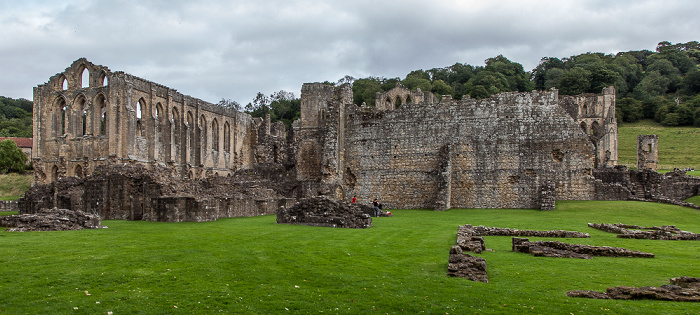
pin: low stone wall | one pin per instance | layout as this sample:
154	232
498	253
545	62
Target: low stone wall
681	289
469	230
559	249
8	206
466	266
321	211
665	232
51	220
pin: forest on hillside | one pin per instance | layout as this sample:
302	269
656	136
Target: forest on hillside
15	117
663	85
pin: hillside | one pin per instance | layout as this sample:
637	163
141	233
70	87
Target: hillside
678	146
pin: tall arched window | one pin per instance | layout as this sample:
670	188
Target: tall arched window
102	80
227	138
214	135
176	134
203	135
140	108
85	78
101	105
191	153
64	83
60	118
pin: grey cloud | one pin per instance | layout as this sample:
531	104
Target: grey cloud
234	49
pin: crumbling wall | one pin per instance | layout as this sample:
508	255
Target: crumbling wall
133	192
621	183
321	211
53	219
8	205
117	118
647	152
501	152
595	114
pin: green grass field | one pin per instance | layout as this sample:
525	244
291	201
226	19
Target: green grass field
13	186
678	146
255	266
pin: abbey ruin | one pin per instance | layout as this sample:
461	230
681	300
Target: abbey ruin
413	150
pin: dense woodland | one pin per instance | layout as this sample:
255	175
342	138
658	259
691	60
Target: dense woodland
15	117
663	85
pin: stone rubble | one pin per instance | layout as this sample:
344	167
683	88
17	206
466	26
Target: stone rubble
51	220
466	266
665	232
681	289
559	249
322	211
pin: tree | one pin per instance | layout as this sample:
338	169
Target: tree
575	81
629	109
228	103
12	159
365	90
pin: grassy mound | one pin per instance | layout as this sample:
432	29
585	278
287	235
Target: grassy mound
253	265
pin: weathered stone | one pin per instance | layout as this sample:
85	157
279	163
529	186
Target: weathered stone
322	211
647	152
665	293
466	266
133	192
560	249
51	220
655	232
8	205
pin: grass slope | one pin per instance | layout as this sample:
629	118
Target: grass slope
13	186
253	265
678	146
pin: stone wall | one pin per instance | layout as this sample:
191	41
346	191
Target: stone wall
500	152
621	183
595	114
132	192
647	152
115	117
8	205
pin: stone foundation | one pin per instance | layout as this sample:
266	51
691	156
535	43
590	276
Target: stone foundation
655	232
51	220
559	249
682	289
466	266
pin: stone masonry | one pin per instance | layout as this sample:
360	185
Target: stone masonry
493	153
89	115
647	152
512	150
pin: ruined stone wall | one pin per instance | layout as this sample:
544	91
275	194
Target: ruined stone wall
647	152
399	96
621	183
114	117
595	114
500	150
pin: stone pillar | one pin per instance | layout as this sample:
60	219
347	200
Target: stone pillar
444	181
647	152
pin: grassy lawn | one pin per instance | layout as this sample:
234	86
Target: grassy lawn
253	265
678	146
13	186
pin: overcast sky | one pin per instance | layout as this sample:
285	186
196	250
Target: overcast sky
232	49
